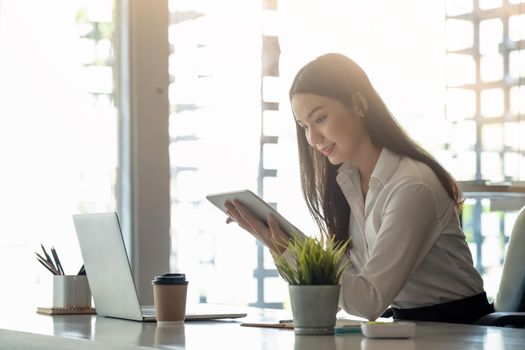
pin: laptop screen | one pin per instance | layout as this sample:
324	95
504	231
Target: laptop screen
107	265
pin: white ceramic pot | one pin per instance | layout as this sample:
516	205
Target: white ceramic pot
314	308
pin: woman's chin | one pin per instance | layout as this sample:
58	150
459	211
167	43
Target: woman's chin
335	161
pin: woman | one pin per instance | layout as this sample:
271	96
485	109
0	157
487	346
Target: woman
364	178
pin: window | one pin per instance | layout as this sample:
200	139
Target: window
58	141
485	70
214	132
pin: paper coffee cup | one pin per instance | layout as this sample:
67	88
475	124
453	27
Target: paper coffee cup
169	294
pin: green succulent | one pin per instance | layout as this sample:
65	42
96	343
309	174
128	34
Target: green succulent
315	261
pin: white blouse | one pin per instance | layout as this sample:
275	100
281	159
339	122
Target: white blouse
408	249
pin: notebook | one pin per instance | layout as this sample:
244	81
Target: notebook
109	273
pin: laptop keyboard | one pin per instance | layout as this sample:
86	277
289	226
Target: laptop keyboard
148	312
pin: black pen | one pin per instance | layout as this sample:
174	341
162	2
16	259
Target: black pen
47	267
57	261
48	258
47	264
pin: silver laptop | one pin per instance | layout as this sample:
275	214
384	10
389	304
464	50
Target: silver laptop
109	272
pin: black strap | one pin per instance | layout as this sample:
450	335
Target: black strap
466	311
388	313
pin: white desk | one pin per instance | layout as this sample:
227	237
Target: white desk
33	331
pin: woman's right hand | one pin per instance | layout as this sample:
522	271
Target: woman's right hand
269	234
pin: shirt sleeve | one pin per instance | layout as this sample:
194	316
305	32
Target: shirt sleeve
409	228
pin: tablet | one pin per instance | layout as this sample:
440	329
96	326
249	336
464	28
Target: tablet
257	205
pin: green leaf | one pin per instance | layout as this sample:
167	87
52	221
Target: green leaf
314	260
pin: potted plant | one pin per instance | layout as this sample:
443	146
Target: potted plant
313	268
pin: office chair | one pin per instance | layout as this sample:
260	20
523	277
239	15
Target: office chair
509	305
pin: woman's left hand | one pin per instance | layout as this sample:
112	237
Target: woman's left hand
269	234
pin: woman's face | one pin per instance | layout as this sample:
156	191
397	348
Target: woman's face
329	126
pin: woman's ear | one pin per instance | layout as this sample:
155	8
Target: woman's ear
360	106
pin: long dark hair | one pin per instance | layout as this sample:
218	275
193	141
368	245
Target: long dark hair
338	77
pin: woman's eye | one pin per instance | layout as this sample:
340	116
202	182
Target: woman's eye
320	119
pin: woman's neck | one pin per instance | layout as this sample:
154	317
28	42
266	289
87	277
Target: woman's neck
366	162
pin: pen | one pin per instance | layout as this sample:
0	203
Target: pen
347	329
53	264
47	264
285	321
47	267
48	258
57	261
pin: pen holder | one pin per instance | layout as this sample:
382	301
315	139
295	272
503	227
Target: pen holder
71	291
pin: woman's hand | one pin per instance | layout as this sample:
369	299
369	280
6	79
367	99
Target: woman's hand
269	234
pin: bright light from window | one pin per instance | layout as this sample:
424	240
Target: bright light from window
58	142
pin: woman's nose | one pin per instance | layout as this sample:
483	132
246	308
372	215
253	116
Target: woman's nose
314	137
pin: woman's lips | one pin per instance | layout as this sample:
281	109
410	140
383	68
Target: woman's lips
328	149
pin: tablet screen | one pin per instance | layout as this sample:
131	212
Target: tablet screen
254	203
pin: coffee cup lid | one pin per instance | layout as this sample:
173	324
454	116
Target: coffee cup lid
170	278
